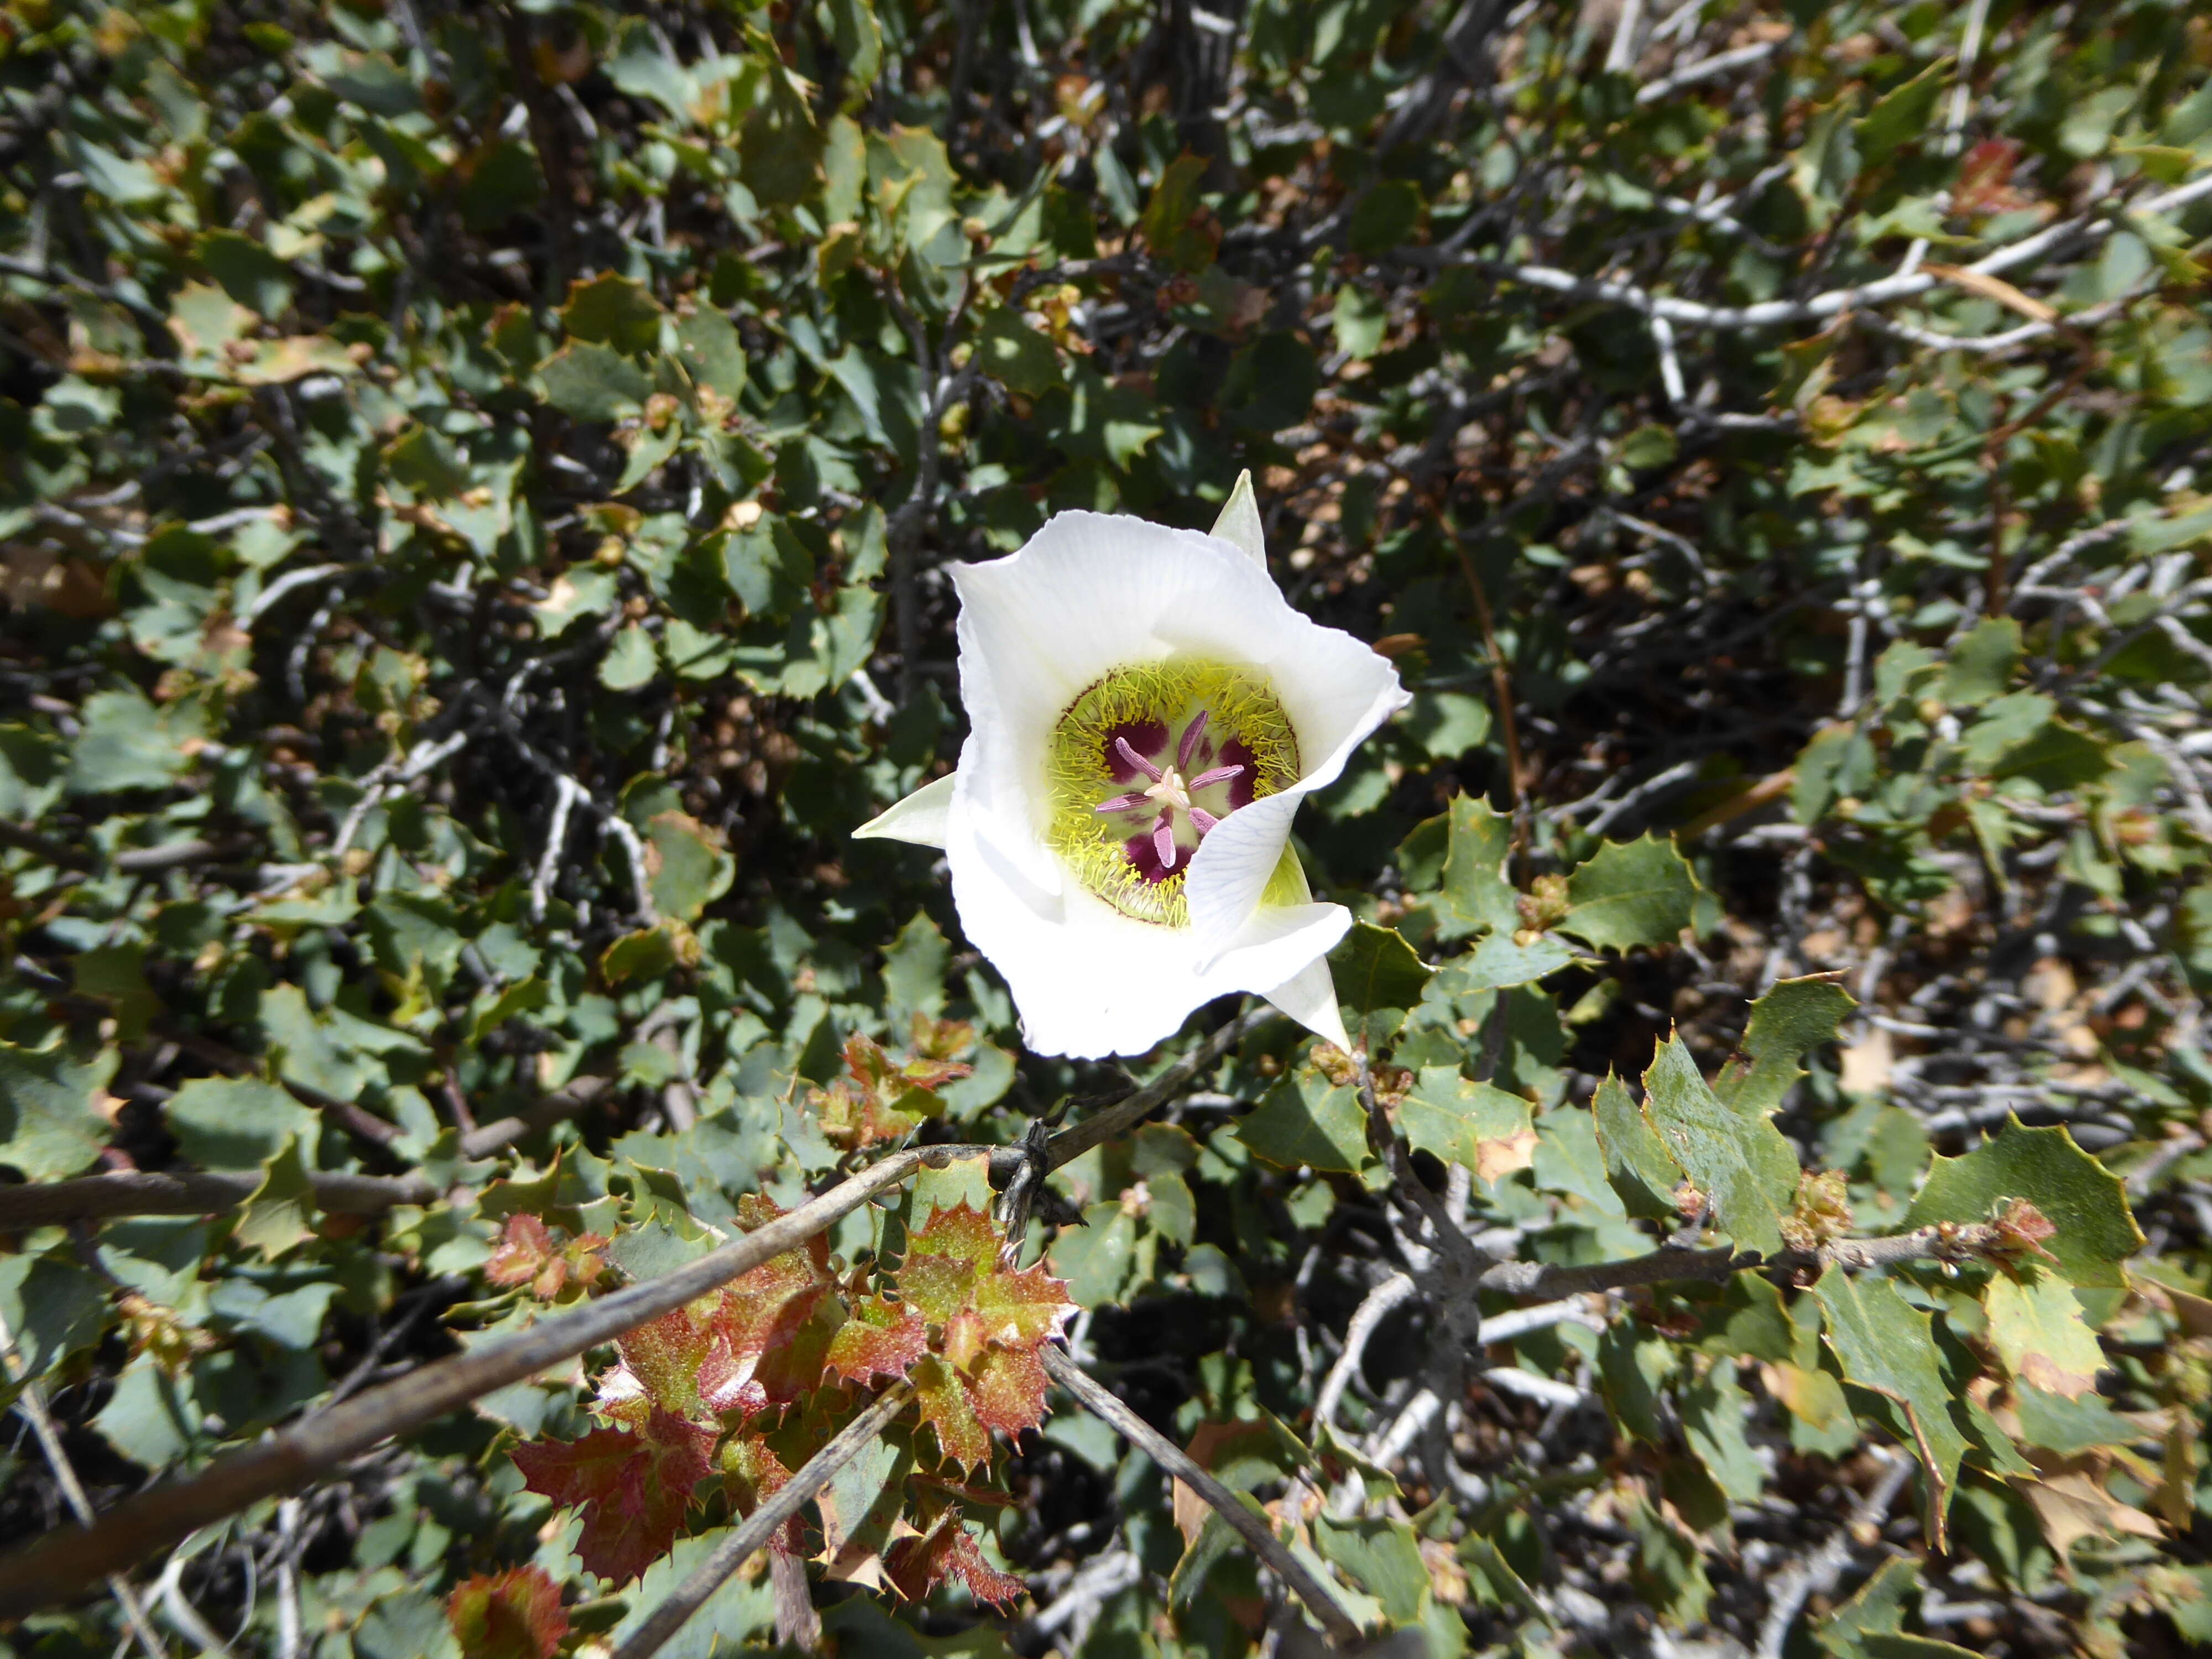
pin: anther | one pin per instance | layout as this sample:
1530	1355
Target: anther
1121	745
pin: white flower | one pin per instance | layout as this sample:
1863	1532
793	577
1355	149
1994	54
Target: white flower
1147	711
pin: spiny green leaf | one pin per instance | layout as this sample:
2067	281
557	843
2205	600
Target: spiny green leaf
1476	896
1791	1020
1886	1345
2038	1331
1306	1120
50	1121
1742	1164
1477	1125
1637	1161
1630	893
2084	1201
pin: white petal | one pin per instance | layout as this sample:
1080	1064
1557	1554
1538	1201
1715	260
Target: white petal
919	818
1087	593
1309	997
1239	522
1337	690
1091	982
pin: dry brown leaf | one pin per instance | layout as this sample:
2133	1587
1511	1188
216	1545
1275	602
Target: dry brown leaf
2072	1505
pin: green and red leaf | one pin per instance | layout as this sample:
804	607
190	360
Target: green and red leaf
938	1391
1006	1391
632	1487
515	1614
881	1338
947	1552
752	1474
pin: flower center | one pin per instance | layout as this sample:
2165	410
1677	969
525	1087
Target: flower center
1147	762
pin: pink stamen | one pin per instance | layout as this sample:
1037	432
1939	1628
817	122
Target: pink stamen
1163	843
1219	775
1121	745
1121	804
1189	745
1204	819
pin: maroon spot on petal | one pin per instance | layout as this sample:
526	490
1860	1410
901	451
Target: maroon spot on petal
1145	858
1237	752
1148	737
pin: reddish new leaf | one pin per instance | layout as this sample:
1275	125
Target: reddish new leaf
528	1254
947	1552
632	1487
883	1338
937	1392
941	1039
515	1614
938	1285
964	1233
895	1083
526	1249
665	1356
1006	1391
1022	1308
879	1098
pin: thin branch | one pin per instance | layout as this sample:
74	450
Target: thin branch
33	1402
734	1551
46	1204
1818	1573
1707	68
1373	1307
1097	1400
1819	307
62	1564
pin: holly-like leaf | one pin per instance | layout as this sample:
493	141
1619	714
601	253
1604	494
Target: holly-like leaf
986	1321
881	1338
2037	1328
1741	1163
528	1253
1308	1119
1477	1125
515	1614
1021	1307
1377	974
948	1551
1630	893
1006	1389
50	1122
2083	1200
1476	896
663	1358
880	1098
1791	1020
525	1250
1637	1161
1877	1609
751	1474
942	1401
2071	1501
632	1487
769	1305
1888	1347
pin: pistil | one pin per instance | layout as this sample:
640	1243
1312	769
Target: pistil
1169	792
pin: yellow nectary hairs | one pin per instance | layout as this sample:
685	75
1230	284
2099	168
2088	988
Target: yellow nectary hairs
1239	703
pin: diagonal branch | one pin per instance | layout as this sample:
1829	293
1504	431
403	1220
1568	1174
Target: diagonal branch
1100	1403
62	1564
761	1525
